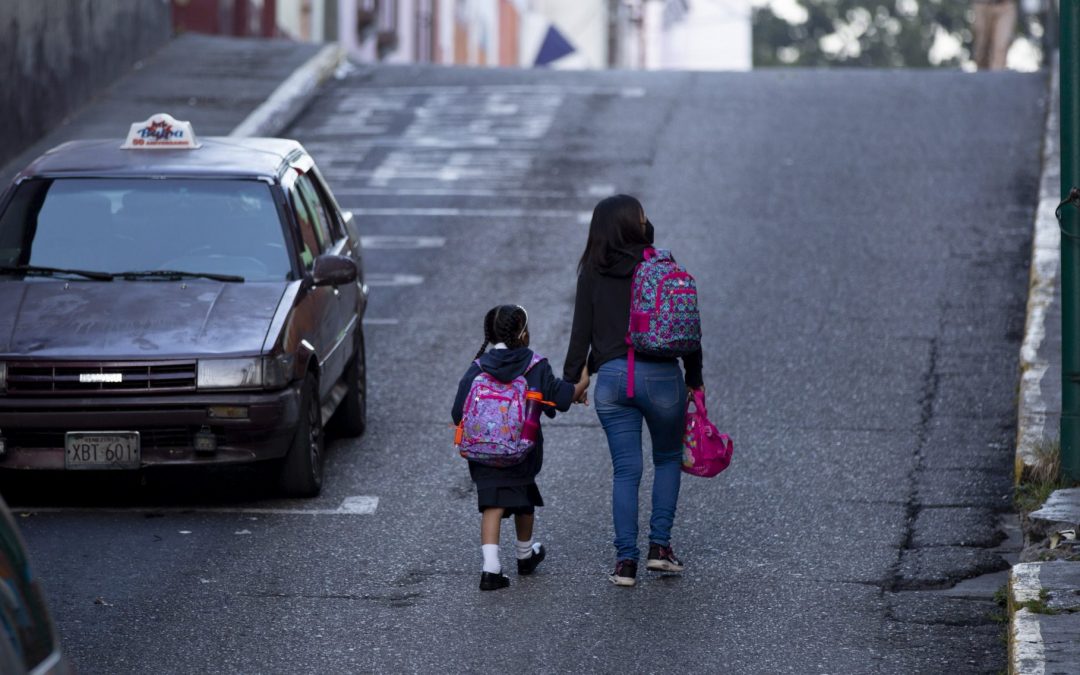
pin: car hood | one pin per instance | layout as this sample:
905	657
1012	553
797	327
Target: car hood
135	319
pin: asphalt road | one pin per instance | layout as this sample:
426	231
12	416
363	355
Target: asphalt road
860	240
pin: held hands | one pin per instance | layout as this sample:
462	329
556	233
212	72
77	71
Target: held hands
581	389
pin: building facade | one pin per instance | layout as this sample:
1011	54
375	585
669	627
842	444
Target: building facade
593	34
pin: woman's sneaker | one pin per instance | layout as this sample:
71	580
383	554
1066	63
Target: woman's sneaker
662	559
625	573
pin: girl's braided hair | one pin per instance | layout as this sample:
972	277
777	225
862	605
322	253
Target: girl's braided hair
505	323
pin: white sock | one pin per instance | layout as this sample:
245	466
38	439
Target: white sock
491	558
524	549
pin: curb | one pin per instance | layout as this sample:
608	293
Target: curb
1045	619
1045	263
289	99
1026	651
1027	646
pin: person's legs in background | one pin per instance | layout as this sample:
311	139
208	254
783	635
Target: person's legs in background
980	27
1004	28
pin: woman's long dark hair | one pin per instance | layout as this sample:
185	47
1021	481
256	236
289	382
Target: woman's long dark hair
615	228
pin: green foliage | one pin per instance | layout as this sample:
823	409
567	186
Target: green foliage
876	33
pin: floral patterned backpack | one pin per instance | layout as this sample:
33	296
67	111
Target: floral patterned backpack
493	418
664	319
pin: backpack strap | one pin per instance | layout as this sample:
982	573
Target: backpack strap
536	358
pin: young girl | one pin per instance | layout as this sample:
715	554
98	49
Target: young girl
510	491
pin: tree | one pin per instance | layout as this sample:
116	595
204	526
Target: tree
871	33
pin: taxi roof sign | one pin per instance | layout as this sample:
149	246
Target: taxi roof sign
161	132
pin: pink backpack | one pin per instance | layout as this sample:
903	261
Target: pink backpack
664	319
706	451
491	423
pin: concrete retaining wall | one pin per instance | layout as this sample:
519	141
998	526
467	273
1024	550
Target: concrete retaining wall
56	54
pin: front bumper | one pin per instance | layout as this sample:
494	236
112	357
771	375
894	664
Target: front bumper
33	427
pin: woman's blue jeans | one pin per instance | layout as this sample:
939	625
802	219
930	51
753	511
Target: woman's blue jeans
659	399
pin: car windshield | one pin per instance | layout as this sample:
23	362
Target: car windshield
123	224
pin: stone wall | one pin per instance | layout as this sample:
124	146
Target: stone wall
56	54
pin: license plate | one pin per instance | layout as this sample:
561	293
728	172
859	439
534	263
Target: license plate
102	450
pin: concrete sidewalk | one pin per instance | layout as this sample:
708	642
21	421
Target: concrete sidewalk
216	83
1045	585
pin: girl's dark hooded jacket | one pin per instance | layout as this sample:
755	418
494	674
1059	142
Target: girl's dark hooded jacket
505	365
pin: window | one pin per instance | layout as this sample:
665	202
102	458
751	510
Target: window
131	224
310	242
320	217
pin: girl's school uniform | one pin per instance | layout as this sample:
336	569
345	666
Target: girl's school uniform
514	487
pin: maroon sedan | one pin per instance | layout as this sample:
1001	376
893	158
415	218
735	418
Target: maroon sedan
173	301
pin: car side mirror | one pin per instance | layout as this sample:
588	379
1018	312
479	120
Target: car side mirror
333	270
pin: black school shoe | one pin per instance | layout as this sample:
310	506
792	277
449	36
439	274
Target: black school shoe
527	565
625	573
493	581
662	559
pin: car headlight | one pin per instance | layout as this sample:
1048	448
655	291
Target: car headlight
229	373
267	372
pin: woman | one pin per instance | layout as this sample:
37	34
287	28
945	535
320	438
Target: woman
618	236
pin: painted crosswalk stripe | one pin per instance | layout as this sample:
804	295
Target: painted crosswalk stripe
359	505
454	192
378	279
475	213
396	241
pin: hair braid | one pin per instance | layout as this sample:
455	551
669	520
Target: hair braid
509	322
488	332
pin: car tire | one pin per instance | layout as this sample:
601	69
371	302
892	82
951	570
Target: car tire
301	471
350	419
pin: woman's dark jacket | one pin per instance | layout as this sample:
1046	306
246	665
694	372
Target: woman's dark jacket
602	317
505	365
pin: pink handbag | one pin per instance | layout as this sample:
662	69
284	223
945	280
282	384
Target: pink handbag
706	451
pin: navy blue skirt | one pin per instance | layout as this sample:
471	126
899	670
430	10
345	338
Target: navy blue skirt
517	500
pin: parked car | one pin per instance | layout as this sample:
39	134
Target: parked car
178	301
28	640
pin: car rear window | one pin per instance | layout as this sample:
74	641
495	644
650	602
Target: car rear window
123	224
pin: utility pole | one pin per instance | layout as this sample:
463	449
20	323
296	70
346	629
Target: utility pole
1069	55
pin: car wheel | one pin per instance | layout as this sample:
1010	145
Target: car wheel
350	419
302	469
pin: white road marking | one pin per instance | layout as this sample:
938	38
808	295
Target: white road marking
375	279
396	241
475	213
453	192
361	505
601	190
380	322
540	90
